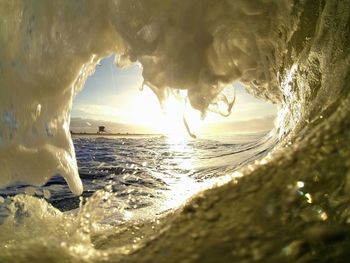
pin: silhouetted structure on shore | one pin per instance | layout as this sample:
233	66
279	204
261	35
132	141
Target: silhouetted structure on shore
101	129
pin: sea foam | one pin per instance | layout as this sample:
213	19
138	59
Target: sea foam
49	49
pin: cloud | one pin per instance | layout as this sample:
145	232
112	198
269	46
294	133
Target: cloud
97	112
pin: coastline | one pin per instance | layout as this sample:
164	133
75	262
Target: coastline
115	134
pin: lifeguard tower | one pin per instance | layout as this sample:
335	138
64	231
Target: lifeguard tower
101	129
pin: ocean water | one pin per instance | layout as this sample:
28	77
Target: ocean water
133	180
150	173
292	205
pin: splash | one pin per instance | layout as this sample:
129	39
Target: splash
50	49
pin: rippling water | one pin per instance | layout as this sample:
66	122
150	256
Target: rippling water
149	173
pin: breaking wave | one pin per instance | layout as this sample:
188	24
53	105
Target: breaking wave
293	53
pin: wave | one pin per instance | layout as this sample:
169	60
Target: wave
294	53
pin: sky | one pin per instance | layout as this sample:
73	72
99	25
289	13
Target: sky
113	97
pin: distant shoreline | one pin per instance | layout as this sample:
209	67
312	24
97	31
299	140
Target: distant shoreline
113	134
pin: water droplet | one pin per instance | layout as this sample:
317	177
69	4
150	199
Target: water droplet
308	198
296	248
300	184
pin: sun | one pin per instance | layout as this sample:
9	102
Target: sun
179	118
170	117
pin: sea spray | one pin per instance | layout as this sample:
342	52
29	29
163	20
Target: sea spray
49	49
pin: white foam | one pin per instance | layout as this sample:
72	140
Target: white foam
49	49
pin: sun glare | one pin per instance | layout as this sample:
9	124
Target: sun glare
176	112
170	118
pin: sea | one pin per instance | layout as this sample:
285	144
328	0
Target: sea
153	174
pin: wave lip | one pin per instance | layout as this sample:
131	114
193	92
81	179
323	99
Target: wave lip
194	45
